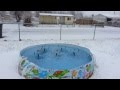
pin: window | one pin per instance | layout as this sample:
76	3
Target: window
68	18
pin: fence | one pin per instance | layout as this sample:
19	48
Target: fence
16	31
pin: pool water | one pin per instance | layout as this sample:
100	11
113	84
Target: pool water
57	56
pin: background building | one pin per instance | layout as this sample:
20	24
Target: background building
49	18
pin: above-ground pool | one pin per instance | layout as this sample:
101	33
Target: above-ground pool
56	61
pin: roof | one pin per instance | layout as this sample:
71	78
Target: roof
112	15
109	14
51	14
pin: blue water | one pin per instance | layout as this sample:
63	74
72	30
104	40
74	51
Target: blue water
57	56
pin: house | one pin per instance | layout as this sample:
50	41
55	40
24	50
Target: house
100	18
49	18
106	18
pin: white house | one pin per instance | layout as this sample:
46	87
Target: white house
105	17
100	18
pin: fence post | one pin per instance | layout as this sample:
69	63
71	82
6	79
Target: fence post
1	30
94	33
60	30
19	30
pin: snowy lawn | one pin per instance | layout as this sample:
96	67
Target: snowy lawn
106	47
47	32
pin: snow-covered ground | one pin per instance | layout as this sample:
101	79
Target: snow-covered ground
43	32
105	47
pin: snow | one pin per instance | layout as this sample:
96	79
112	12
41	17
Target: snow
52	32
109	15
51	14
105	47
8	67
105	13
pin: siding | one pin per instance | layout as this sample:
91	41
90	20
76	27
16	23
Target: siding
53	20
48	20
69	21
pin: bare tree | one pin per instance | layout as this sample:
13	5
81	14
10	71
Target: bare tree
18	15
37	13
48	11
2	14
79	14
72	12
27	18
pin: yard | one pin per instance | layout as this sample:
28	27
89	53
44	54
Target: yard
105	47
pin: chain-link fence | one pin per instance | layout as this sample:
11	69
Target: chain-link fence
16	31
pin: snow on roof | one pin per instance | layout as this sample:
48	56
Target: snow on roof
109	15
104	13
51	14
112	15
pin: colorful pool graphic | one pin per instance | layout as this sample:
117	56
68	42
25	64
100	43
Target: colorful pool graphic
56	61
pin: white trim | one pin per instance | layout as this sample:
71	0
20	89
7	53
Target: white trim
51	14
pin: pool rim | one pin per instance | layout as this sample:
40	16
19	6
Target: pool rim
91	61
